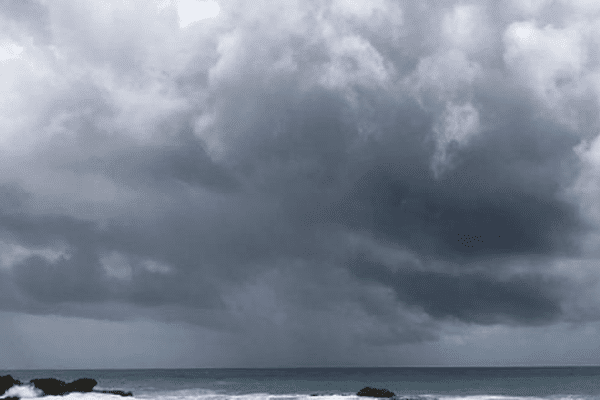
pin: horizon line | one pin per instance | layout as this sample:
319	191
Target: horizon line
324	367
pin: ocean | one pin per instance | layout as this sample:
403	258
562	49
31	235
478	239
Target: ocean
526	383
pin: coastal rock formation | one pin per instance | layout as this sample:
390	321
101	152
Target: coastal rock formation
119	392
6	382
83	385
372	392
56	387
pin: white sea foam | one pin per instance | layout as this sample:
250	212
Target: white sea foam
88	396
23	391
182	394
30	392
201	394
498	397
488	397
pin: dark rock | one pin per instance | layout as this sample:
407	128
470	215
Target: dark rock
6	382
56	387
50	386
119	392
12	398
83	385
372	392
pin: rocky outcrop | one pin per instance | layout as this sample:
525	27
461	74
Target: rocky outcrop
56	387
6	382
119	392
372	392
82	385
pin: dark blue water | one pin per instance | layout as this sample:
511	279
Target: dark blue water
275	384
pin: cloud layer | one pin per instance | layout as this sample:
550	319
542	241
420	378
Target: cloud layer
320	182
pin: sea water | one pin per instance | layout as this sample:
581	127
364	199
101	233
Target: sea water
555	383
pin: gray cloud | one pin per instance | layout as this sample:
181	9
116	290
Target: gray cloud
325	181
470	297
30	16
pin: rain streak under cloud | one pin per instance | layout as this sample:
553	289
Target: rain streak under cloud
319	183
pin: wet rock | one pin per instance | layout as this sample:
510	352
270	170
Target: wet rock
119	392
372	392
50	386
82	385
56	387
6	382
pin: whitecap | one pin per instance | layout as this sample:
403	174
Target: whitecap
23	391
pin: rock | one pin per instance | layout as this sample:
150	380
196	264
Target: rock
50	386
82	385
119	392
56	387
372	392
6	382
12	398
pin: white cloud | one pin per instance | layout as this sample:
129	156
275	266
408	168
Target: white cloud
358	8
465	27
586	188
355	61
458	125
156	267
9	50
116	266
447	76
12	254
139	109
545	59
191	11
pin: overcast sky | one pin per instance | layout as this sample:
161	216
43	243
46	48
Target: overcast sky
299	183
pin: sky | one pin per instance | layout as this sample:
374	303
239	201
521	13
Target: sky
299	183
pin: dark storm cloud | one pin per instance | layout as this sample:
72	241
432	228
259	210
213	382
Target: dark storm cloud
400	203
470	297
72	279
77	284
284	171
